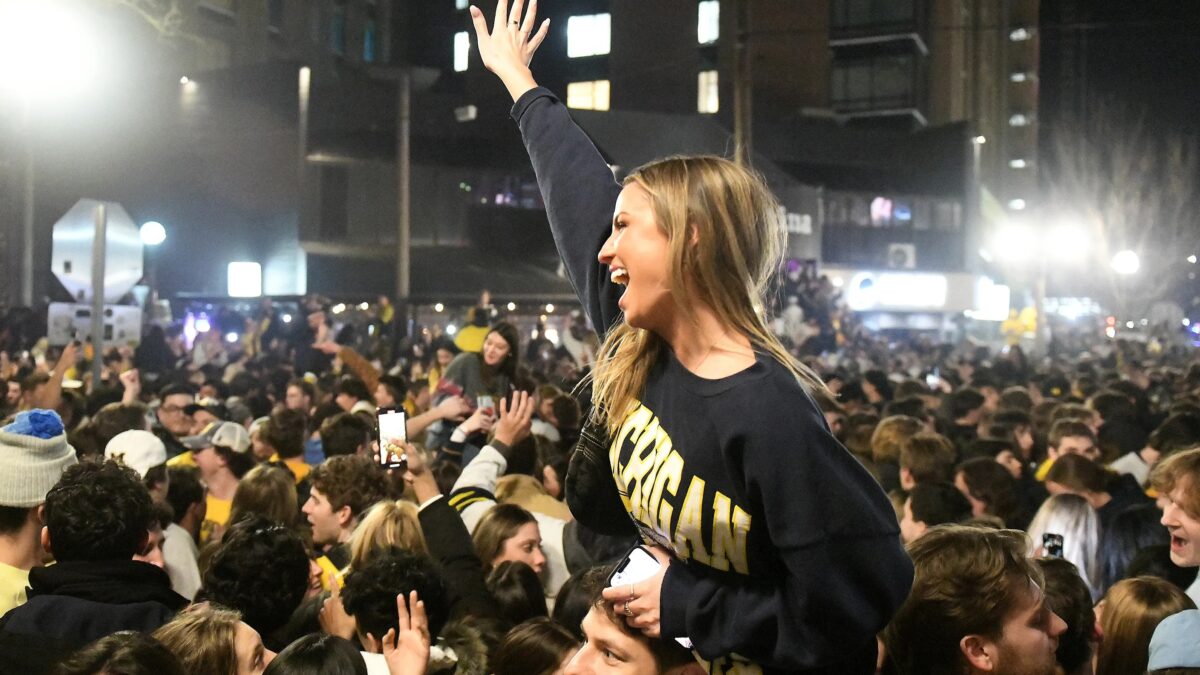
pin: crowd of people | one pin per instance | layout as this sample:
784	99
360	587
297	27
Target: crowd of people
692	488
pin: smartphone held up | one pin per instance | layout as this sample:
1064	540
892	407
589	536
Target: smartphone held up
393	438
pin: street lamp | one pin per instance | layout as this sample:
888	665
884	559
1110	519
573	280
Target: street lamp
152	234
1126	263
47	50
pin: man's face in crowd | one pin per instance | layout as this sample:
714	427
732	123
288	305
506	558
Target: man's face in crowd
153	553
172	416
1183	527
608	649
208	460
13	395
297	399
208	391
1028	639
201	419
345	401
383	397
911	529
1077	445
326	523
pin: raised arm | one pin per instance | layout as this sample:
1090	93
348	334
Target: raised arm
576	183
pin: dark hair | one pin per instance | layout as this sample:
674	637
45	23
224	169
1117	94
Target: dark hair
396	386
343	434
1130	531
879	380
114	418
1015	399
911	406
446	474
318	654
989	447
573	602
1155	561
261	570
962	402
1068	596
183	489
370	592
285	430
518	592
509	332
352	386
13	518
993	485
938	504
125	653
175	390
97	511
966	582
928	457
1180	431
536	647
350	480
305	386
1110	404
566	412
1013	418
1078	473
667	653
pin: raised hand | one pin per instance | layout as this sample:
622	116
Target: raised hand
509	47
515	423
407	652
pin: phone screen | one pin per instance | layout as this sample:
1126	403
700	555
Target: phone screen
637	566
1052	545
486	403
392	438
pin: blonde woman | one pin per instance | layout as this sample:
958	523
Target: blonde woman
208	639
1128	615
387	523
1076	521
778	551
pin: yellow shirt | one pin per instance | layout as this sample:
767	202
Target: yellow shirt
299	468
470	338
1043	470
13	581
216	516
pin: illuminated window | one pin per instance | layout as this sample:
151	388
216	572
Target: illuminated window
709	98
245	280
588	95
1018	120
588	35
1020	34
708	24
462	51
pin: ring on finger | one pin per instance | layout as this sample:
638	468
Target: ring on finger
632	595
628	612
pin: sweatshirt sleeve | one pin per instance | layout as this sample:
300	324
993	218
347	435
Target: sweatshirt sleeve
579	191
474	493
841	570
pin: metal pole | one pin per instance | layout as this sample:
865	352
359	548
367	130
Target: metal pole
403	197
27	221
742	86
99	246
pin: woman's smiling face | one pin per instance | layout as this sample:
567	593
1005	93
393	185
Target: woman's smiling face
637	253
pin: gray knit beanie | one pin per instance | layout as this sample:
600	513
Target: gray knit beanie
33	455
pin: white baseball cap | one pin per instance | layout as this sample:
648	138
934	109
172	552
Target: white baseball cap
136	449
225	434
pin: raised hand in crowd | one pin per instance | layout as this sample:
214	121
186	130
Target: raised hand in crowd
132	382
453	408
333	617
406	648
514	424
480	420
509	47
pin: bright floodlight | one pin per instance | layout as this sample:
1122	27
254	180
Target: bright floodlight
1066	241
153	233
1126	262
245	280
46	48
1015	244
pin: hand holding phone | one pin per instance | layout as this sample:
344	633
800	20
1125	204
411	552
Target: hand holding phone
393	438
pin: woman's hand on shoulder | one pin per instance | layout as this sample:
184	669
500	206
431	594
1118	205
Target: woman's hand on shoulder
509	47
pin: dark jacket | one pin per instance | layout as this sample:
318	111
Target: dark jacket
72	604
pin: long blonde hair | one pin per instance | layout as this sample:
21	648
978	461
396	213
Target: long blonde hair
203	638
387	523
1132	610
740	240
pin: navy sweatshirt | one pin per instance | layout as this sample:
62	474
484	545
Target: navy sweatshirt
788	557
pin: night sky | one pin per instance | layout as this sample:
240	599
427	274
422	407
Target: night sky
1144	53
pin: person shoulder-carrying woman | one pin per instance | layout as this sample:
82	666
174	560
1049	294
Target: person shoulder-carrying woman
779	552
